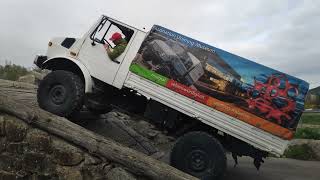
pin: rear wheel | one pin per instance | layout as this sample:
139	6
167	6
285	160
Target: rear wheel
61	92
199	154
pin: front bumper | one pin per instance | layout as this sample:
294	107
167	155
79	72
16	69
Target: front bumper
39	60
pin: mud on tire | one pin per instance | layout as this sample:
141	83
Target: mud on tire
199	154
61	92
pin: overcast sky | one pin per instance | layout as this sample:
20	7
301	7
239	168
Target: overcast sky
281	34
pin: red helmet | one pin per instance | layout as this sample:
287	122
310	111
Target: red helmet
115	36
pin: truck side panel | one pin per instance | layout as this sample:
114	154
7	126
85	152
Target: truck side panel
252	93
219	120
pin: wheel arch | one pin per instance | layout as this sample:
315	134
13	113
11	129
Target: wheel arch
72	65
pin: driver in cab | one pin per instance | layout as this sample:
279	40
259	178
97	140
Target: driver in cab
120	46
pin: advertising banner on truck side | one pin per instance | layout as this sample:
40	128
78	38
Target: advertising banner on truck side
263	97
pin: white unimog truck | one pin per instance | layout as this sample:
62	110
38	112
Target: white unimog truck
214	100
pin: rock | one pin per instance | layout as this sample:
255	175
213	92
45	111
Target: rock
32	78
118	114
158	155
29	78
146	129
107	168
162	139
34	162
66	154
69	173
119	174
3	144
39	76
4	175
314	144
10	163
39	141
22	174
38	163
150	133
43	177
91	160
16	148
94	172
16	85
15	129
2	131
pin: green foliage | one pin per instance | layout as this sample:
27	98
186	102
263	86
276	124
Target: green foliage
302	152
313	99
308	105
311	118
308	133
12	72
315	90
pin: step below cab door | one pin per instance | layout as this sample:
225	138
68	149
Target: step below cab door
93	52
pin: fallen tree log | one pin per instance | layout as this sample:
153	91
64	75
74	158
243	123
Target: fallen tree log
134	161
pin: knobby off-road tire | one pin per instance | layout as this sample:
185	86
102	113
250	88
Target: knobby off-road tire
61	92
199	154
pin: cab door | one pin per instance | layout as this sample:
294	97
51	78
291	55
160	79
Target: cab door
93	52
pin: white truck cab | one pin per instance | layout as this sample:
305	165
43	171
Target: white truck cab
89	54
192	90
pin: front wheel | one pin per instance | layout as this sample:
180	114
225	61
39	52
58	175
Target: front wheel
199	154
61	93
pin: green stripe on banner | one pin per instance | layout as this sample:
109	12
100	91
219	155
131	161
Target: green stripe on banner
151	75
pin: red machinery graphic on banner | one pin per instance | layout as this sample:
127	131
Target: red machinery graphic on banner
270	99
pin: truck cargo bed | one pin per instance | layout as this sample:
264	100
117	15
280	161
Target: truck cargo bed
219	120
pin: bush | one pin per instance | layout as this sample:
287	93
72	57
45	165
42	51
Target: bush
12	72
311	118
308	133
301	152
311	106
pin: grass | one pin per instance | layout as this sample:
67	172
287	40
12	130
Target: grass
301	152
308	133
311	118
304	151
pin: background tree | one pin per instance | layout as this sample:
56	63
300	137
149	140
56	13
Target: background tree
12	71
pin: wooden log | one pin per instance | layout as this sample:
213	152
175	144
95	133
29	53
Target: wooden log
134	161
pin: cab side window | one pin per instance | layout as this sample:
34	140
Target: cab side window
106	29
